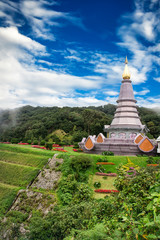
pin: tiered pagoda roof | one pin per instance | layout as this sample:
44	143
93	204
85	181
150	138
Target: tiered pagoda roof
126	115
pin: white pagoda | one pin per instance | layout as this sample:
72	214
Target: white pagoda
126	123
126	134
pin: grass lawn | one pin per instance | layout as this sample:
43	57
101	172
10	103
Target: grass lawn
7	195
17	175
105	184
18	167
26	149
32	160
140	161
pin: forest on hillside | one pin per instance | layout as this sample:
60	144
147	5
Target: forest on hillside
64	125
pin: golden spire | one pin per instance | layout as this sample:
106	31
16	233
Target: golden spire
126	73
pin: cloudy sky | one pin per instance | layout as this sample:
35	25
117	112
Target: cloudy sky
72	52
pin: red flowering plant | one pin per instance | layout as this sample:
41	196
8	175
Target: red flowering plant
59	149
37	146
152	165
20	143
77	150
106	191
55	145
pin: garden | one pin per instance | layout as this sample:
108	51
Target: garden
99	197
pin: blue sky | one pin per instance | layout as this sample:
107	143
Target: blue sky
72	52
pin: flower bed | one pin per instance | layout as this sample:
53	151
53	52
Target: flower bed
68	145
152	165
55	145
60	150
106	174
23	143
6	142
131	173
77	150
37	146
129	165
105	191
105	163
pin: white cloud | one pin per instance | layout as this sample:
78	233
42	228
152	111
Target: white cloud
151	102
45	62
111	100
155	48
144	24
39	15
74	58
112	93
22	82
42	20
139	35
11	37
157	79
7	6
142	93
67	101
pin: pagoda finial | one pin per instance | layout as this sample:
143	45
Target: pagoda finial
126	60
126	73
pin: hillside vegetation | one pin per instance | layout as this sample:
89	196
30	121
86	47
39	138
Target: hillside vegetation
37	123
129	211
18	167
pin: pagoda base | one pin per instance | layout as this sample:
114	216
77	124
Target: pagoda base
124	147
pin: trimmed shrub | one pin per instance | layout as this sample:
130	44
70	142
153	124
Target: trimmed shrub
49	145
152	160
76	145
108	153
29	141
97	184
102	159
43	142
15	140
100	168
35	142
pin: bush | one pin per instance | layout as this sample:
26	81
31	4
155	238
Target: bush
62	143
83	193
17	217
49	145
15	140
29	141
102	160
80	163
100	168
35	142
152	160
97	184
108	153
43	142
105	177
76	145
66	189
96	233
